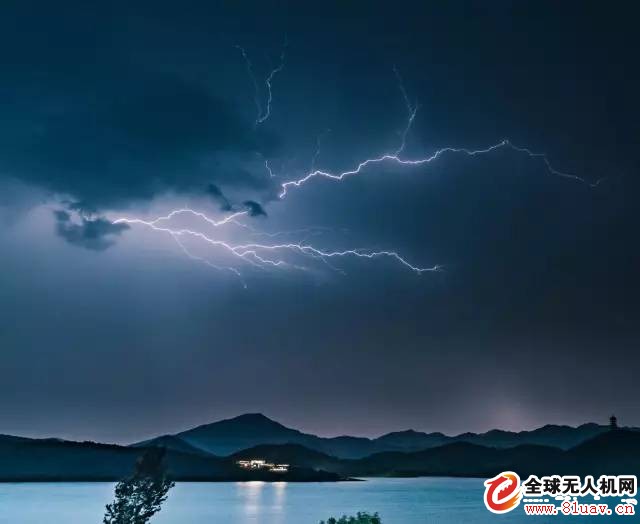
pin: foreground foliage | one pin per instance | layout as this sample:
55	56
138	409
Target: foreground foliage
360	518
140	496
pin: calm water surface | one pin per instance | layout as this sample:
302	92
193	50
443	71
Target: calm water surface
399	501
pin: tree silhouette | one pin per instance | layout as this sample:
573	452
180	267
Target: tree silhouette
360	518
140	496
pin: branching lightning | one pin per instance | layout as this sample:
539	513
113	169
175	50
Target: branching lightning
397	159
267	82
269	170
254	82
255	254
412	111
197	258
263	113
395	156
291	255
315	156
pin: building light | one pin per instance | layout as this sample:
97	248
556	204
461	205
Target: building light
263	464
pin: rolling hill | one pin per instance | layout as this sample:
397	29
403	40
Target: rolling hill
209	452
614	452
23	460
233	435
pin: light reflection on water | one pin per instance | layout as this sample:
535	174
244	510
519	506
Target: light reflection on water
250	493
399	501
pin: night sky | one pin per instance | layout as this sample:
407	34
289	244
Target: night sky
109	331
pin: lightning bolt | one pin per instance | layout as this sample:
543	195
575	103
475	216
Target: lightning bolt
317	230
263	113
269	170
197	258
254	82
395	158
268	256
315	156
268	82
255	254
412	111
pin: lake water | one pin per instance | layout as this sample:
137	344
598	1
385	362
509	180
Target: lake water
399	501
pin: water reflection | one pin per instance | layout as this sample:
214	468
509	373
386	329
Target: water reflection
279	496
260	499
250	493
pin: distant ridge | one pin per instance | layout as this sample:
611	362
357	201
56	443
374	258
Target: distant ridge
52	460
613	453
229	436
171	442
194	454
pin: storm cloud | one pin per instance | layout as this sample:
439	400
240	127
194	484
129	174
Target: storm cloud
218	196
135	109
254	208
111	122
94	233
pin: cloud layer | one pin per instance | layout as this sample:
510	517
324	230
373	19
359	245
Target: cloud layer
93	115
96	234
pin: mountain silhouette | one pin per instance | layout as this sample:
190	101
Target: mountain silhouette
232	435
23	460
229	436
611	453
209	452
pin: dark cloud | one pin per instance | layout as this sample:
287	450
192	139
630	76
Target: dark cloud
254	208
109	120
81	208
96	234
129	144
251	206
218	196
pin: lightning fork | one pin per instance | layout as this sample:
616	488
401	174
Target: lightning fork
268	81
262	113
395	158
254	253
